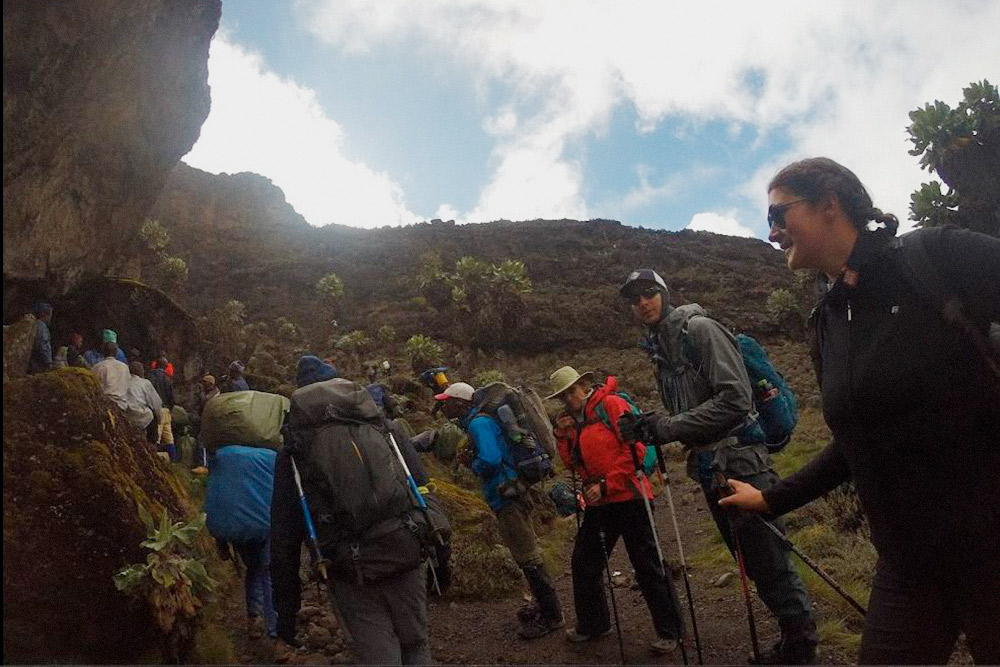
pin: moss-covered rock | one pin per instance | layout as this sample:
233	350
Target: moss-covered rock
73	473
481	566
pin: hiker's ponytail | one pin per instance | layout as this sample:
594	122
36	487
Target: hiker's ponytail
818	177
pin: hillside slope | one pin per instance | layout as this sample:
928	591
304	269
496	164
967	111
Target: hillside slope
242	240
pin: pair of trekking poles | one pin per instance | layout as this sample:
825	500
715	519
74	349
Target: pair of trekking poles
640	476
723	490
319	563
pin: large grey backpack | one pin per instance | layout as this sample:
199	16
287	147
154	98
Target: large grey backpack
366	521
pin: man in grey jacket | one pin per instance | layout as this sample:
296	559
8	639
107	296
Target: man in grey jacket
705	389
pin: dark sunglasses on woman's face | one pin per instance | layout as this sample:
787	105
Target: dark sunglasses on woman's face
647	293
776	213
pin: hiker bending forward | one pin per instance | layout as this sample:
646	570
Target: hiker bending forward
490	461
913	406
705	388
591	447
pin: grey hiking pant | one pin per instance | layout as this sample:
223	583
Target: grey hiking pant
387	620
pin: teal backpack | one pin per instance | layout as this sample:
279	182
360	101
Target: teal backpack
773	400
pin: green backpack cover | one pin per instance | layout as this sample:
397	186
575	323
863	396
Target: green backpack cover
249	418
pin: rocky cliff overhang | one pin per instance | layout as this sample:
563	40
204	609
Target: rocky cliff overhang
101	98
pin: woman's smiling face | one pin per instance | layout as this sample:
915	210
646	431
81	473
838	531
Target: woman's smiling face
798	228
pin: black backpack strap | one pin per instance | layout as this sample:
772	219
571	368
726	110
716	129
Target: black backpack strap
921	274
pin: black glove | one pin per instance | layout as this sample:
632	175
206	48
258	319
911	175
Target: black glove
634	428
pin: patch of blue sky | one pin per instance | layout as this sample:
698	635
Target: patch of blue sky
420	125
684	166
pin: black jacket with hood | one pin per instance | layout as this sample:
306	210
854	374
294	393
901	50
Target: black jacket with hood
914	412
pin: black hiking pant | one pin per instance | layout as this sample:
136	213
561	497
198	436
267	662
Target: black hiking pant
768	561
629	521
914	618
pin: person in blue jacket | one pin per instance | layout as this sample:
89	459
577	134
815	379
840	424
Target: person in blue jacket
238	509
489	459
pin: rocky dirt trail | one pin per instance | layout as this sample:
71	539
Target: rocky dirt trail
484	632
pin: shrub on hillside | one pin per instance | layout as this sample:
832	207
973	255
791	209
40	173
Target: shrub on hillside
487	377
386	334
783	307
422	352
330	286
356	342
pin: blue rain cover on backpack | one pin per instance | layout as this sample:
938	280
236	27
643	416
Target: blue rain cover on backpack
238	493
777	410
377	392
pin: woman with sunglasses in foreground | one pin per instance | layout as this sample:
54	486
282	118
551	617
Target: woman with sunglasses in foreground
914	406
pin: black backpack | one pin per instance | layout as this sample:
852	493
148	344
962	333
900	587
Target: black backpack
919	271
367	523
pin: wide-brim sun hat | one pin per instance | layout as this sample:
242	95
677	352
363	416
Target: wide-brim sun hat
564	378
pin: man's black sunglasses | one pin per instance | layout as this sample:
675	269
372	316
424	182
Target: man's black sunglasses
647	293
776	213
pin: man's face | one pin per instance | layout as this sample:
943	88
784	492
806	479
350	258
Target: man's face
647	305
454	408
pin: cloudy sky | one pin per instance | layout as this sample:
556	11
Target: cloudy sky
659	114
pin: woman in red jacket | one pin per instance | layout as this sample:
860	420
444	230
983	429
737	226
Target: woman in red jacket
591	447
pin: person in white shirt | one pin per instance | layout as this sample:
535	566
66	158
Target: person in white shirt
143	402
113	374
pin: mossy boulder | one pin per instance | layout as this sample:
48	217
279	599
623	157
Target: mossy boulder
481	566
74	471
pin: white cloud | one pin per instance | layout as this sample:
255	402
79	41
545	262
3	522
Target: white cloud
724	223
837	77
262	123
447	212
647	192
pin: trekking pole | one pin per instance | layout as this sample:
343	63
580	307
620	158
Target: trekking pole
319	563
680	549
611	591
607	569
422	504
723	489
815	568
640	475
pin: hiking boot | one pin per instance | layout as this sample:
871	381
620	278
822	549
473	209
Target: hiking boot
576	637
797	645
255	627
543	592
528	612
662	646
539	627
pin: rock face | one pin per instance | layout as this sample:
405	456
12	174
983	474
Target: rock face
101	99
73	472
18	341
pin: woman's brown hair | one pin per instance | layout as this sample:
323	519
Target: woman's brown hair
818	177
